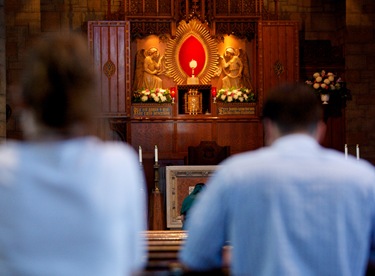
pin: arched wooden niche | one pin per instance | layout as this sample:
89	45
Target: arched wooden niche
192	42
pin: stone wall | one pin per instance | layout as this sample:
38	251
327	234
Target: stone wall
360	74
350	25
2	74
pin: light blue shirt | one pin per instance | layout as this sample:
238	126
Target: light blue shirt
293	208
73	207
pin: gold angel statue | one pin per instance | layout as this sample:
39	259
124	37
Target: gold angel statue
149	66
235	66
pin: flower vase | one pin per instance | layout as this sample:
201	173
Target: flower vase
324	98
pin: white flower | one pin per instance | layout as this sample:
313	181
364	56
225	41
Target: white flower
316	75
235	95
331	77
316	85
144	98
319	79
323	85
327	81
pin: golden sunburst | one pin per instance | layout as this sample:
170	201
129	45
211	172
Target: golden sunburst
201	33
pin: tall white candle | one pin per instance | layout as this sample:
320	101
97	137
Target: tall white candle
357	151
346	151
140	154
156	153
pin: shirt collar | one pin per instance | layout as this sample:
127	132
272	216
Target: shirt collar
298	141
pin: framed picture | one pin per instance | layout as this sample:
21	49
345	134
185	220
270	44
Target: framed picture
180	181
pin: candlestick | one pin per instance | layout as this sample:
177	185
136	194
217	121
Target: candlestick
140	154
357	151
156	154
156	177
346	151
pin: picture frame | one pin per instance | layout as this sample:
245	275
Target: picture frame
180	181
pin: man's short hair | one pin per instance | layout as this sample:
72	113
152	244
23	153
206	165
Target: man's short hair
293	107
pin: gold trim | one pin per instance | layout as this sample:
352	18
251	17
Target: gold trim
201	33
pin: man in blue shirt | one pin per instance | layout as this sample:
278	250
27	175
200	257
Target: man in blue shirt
292	208
70	203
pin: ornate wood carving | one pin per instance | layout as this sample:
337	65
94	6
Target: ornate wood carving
237	8
237	17
141	29
239	29
145	8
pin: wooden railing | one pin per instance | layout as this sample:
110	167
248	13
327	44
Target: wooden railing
163	248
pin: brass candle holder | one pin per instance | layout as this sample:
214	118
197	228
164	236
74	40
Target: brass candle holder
156	177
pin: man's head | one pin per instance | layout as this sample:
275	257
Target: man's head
292	108
58	84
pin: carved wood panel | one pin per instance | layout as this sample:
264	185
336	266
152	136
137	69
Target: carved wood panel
162	17
240	135
234	8
279	53
191	133
147	134
109	43
143	8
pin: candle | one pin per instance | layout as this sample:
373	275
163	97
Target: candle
140	154
156	154
346	151
357	151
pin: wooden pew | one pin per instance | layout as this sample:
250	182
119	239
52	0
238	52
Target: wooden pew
163	247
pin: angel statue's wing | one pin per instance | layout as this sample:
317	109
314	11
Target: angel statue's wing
246	77
162	66
138	70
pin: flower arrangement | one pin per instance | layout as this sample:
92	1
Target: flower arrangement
157	95
240	95
328	87
325	83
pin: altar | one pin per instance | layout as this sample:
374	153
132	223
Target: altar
195	78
